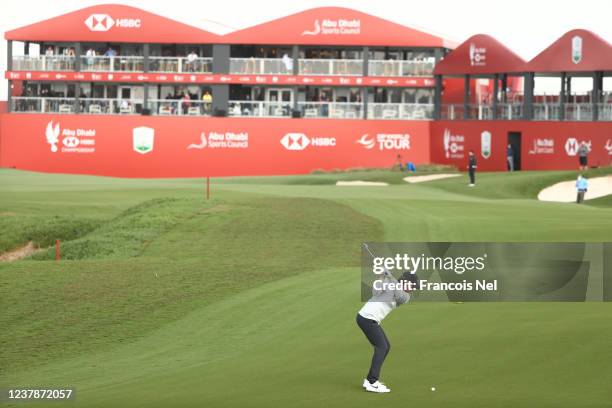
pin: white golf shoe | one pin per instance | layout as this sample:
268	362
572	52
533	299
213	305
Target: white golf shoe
376	387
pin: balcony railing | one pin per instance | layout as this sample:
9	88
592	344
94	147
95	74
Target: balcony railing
260	66
69	105
44	63
332	110
166	107
180	65
331	67
505	111
112	64
400	68
260	109
406	111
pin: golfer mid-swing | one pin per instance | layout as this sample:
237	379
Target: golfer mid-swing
386	296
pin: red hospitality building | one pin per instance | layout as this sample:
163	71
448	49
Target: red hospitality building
114	90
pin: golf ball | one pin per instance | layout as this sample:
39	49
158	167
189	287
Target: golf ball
433	388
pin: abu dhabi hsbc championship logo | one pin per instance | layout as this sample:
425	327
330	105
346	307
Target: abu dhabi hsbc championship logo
299	141
66	140
104	22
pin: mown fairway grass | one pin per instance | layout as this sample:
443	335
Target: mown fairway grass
249	300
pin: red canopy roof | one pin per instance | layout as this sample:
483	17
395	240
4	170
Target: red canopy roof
480	54
112	23
576	51
335	26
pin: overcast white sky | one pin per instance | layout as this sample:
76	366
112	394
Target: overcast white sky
526	26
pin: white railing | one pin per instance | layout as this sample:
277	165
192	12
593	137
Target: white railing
259	108
332	110
180	65
406	111
578	111
165	107
67	105
400	68
258	66
104	106
546	111
43	63
331	67
505	111
604	111
112	64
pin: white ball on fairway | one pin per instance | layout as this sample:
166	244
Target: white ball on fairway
433	388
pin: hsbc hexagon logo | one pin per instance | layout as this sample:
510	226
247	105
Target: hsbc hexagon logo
299	141
295	141
104	22
99	22
571	146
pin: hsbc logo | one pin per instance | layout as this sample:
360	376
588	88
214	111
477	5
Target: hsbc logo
104	22
572	145
299	141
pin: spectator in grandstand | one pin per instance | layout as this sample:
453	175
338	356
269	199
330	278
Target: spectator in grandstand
582	184
49	51
207	99
186	102
583	156
472	168
288	63
110	52
510	157
90	54
192	59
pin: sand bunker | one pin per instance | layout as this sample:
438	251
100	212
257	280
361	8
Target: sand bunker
18	253
361	183
429	177
565	192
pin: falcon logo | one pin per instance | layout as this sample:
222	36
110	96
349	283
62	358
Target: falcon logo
315	31
52	134
365	142
99	22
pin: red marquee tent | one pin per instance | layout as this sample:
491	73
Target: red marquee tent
480	54
112	23
576	51
335	26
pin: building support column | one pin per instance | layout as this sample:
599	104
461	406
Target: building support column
9	96
466	97
364	101
78	50
495	94
562	96
366	61
9	55
77	92
528	99
145	55
596	92
504	91
295	54
438	97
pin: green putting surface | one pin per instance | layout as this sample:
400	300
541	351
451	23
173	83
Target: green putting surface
249	299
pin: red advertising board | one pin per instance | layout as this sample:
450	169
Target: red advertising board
148	146
544	145
293	80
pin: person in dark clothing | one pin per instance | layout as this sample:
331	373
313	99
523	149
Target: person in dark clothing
472	168
510	158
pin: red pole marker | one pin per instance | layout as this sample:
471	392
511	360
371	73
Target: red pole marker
57	250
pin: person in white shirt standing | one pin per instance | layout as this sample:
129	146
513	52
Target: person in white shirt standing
387	294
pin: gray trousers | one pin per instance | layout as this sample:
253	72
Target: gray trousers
377	338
